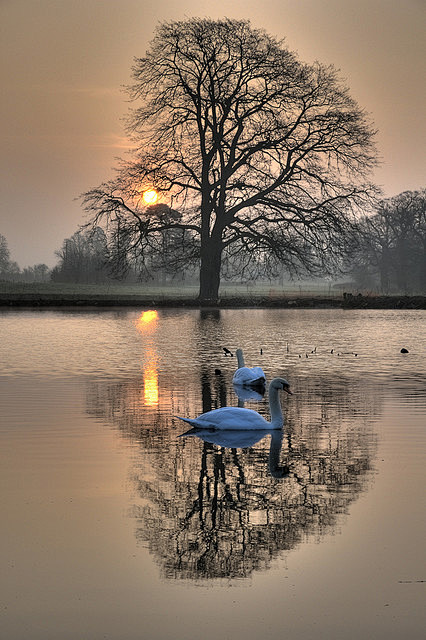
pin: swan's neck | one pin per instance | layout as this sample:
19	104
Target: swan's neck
240	358
275	408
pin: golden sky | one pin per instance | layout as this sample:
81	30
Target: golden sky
63	63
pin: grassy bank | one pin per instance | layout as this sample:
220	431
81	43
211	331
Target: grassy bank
52	294
62	294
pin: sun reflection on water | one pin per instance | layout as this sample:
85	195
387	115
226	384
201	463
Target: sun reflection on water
146	323
150	383
146	320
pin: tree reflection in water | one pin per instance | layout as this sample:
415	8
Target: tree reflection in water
210	509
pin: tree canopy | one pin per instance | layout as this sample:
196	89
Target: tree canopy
259	159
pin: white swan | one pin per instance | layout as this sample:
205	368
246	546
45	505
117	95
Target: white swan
249	376
241	418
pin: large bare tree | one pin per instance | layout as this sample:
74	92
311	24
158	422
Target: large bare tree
258	158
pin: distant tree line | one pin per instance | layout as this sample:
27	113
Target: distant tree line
83	258
389	252
10	270
92	256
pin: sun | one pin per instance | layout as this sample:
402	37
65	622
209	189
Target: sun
150	196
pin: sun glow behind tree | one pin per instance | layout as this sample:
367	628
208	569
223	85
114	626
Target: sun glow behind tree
150	196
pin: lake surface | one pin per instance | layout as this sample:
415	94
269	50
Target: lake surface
113	526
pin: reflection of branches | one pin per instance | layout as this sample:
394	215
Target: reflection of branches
210	511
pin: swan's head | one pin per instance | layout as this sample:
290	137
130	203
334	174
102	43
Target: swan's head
282	384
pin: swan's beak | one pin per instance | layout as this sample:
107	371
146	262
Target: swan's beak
287	390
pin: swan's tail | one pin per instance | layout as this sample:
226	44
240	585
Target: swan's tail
258	382
188	420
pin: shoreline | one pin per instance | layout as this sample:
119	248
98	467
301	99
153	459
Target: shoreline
346	301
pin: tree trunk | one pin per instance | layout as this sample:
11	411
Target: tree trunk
211	259
384	272
401	268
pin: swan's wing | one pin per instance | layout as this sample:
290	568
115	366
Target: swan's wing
258	372
249	376
240	375
229	418
207	420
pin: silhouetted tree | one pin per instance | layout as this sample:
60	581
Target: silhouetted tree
264	157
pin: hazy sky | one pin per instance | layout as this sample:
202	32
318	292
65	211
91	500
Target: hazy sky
63	63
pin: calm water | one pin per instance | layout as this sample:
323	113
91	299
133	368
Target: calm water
115	527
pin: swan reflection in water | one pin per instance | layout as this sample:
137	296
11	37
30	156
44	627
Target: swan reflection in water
246	394
245	439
